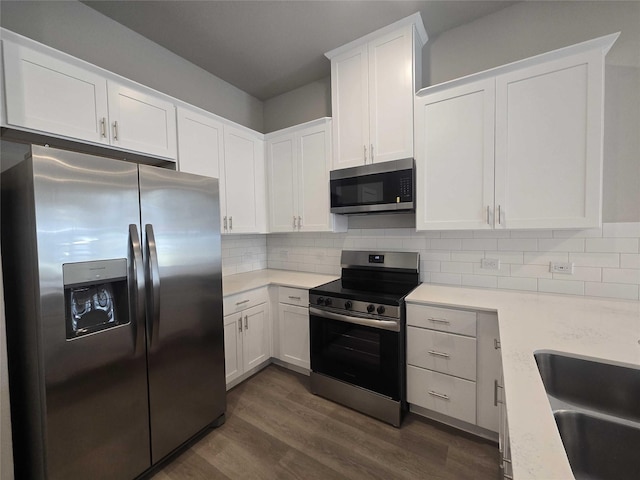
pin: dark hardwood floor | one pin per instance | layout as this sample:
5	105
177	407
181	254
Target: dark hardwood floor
276	429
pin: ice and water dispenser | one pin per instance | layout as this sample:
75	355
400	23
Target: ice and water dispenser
95	296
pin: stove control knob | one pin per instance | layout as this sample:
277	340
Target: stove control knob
380	310
327	301
370	308
348	305
320	300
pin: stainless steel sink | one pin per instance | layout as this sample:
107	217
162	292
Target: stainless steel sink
596	405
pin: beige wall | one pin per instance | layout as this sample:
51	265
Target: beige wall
74	28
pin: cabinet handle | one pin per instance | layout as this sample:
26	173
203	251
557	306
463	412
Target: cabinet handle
365	153
246	322
103	127
115	130
438	354
499	216
294	222
495	393
225	222
230	223
240	324
496	344
299	223
439	395
488	215
371	153
294	298
439	320
243	302
508	477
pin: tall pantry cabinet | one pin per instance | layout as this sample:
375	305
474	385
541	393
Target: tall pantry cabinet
373	83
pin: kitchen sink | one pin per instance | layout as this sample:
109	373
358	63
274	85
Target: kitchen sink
596	406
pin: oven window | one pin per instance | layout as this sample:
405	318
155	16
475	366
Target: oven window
360	355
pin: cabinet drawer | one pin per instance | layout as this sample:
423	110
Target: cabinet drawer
442	352
293	296
444	319
241	301
441	393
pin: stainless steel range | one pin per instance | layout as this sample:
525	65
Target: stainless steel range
357	328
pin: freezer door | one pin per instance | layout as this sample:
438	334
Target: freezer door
87	217
181	226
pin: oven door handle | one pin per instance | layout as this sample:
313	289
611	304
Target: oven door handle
391	325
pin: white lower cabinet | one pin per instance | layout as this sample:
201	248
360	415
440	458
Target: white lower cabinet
293	327
453	364
247	333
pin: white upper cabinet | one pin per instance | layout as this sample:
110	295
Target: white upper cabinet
517	147
55	94
242	188
373	82
298	163
141	122
454	148
50	95
200	143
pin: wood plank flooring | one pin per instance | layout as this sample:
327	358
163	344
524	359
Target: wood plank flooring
276	429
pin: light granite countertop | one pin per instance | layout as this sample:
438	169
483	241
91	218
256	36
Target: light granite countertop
243	282
601	328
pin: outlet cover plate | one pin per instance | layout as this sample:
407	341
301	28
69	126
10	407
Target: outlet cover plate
561	267
490	263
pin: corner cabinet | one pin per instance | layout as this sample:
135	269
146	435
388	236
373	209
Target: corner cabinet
200	143
243	184
373	82
519	146
298	163
55	94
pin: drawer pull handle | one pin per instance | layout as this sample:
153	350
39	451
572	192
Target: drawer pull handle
496	344
294	298
496	386
439	320
439	395
242	302
438	354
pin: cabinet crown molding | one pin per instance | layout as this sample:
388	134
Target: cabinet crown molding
415	20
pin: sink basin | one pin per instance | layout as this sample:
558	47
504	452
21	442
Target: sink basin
599	449
604	387
596	406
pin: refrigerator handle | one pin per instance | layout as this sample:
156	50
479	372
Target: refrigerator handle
152	275
136	292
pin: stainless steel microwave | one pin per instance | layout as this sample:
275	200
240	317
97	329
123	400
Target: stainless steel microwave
375	188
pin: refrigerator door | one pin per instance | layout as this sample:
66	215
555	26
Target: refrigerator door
181	225
92	348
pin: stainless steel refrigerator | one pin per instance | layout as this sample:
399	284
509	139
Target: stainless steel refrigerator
114	313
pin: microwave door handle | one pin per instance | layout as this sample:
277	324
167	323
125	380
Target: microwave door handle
136	289
152	273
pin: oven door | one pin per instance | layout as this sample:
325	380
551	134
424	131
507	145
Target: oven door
357	350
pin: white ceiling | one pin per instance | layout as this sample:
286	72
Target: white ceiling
266	47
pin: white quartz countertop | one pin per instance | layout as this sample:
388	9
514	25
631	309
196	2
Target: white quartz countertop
243	282
601	328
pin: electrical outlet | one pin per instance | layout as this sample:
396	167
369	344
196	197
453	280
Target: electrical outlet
561	267
490	263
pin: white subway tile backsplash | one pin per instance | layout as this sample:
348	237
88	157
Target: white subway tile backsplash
621	275
614	245
613	290
569	287
607	260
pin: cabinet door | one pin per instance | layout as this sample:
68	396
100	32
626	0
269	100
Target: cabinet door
53	96
244	182
549	144
350	107
141	122
233	346
257	338
294	335
455	158
200	143
283	188
314	145
489	368
391	94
